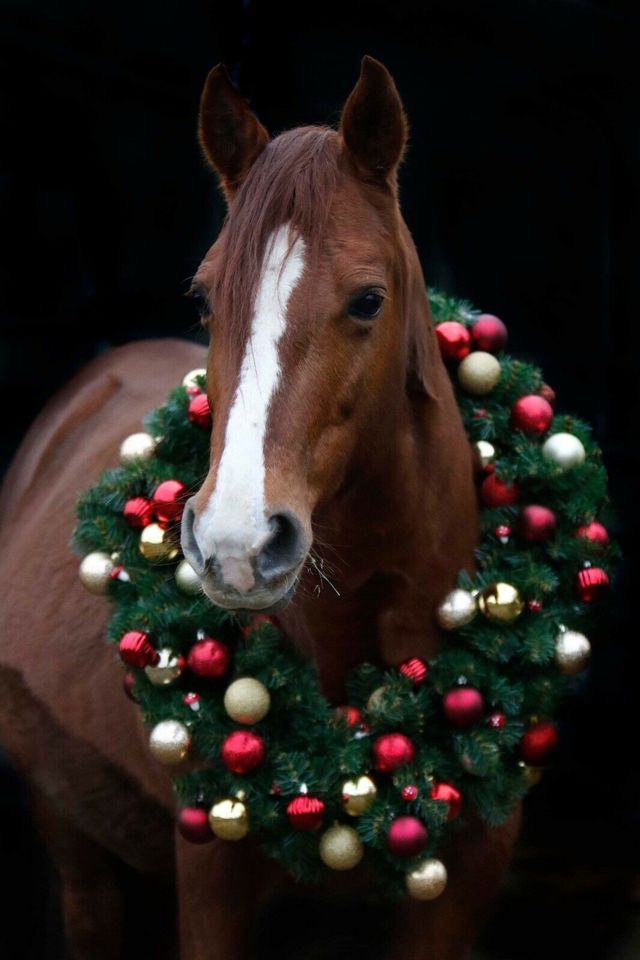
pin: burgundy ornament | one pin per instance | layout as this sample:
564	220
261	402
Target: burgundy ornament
193	825
138	512
592	583
242	751
489	333
538	744
409	792
128	685
392	750
305	813
548	393
534	606
454	340
532	414
447	793
209	658
496	721
463	706
136	651
415	669
536	524
407	837
199	411
168	501
594	532
497	493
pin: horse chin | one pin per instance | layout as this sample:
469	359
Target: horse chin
260	600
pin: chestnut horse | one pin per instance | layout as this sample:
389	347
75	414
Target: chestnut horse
340	490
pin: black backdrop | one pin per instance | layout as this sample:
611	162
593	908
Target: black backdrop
520	188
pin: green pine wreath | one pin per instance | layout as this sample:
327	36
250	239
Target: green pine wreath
516	658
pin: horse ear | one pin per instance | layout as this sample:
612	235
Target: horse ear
373	125
230	135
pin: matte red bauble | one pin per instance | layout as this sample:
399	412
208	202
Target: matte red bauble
415	669
138	512
407	837
392	750
199	411
447	793
594	532
193	825
536	524
532	414
135	649
351	715
463	706
168	501
538	743
534	606
209	658
128	684
489	333
454	340
496	493
592	584
242	751
305	813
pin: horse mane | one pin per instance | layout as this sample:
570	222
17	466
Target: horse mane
292	180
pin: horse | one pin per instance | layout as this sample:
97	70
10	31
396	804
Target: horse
341	493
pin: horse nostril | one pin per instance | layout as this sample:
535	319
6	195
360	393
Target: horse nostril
285	549
189	544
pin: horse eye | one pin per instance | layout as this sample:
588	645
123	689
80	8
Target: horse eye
366	306
201	301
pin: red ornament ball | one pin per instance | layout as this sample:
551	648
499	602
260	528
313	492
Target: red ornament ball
496	493
136	650
454	340
392	750
447	793
594	532
548	393
351	715
538	744
242	751
193	825
463	706
138	512
534	606
532	414
536	524
489	333
128	685
592	583
407	837
415	669
199	411
497	721
209	658
409	792
168	501
256	622
305	813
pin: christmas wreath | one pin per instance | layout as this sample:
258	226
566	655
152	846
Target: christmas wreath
388	775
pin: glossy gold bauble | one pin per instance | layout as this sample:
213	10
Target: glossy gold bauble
187	579
428	880
229	819
157	545
486	452
573	652
479	373
247	700
501	603
358	795
169	742
458	608
341	848
95	572
138	446
167	670
191	379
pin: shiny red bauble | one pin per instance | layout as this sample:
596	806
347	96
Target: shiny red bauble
168	501
489	333
351	715
209	658
497	721
242	751
538	744
415	669
594	532
532	414
193	825
407	837
138	512
447	793
534	606
592	583
454	340
536	524
136	649
392	750
409	792
496	493
463	706
199	411
305	813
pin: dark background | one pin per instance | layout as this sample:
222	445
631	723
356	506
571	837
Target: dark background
520	188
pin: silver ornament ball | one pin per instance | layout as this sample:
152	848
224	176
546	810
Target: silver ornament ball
169	742
573	652
137	446
95	572
187	579
428	880
458	608
564	450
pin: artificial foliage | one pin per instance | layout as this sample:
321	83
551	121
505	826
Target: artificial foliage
310	748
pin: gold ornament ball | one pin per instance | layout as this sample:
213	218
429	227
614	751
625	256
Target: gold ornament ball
358	795
187	579
341	848
532	775
138	446
564	450
247	700
169	742
157	544
478	373
428	880
95	572
501	603
167	670
191	379
486	452
458	608
229	819
573	652
374	703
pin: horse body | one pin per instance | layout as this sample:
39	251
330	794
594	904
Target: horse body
362	451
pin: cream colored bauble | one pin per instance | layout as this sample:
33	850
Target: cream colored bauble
458	608
428	880
95	572
341	848
247	700
191	379
187	579
573	652
138	446
564	450
169	741
479	373
486	452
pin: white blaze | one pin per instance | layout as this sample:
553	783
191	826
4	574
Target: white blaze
233	526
